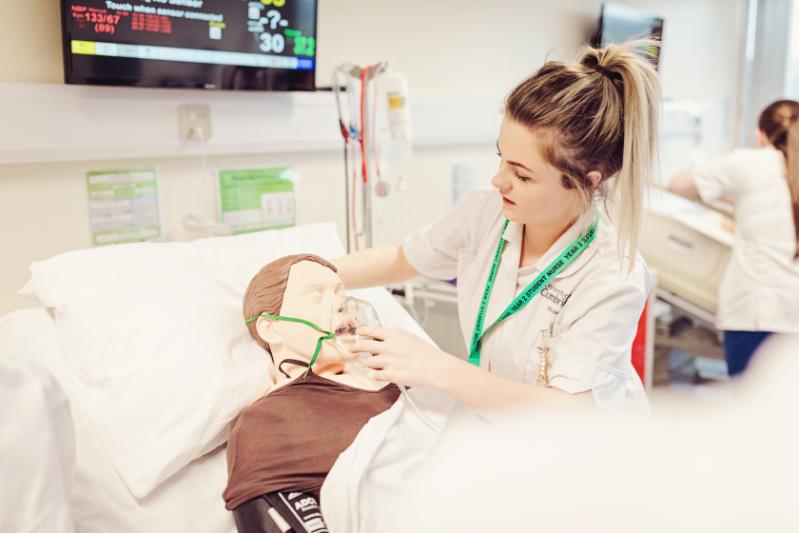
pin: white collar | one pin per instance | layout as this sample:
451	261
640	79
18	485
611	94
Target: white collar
515	233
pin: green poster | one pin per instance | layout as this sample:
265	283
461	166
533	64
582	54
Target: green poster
258	198
124	206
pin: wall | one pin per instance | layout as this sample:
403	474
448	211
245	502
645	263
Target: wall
701	59
449	49
771	62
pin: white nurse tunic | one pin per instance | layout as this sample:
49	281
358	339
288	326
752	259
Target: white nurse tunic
585	320
761	285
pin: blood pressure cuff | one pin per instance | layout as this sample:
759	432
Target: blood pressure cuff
280	512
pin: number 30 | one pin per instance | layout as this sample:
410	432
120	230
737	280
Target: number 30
272	43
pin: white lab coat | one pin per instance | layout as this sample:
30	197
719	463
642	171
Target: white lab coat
592	307
760	287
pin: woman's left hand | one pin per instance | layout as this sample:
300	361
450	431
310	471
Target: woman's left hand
403	358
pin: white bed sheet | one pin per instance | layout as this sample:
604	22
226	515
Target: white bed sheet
37	450
101	503
188	501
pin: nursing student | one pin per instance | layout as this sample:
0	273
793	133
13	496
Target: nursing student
759	294
550	289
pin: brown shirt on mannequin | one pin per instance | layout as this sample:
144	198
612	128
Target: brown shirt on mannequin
289	439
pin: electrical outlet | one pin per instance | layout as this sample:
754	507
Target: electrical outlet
195	123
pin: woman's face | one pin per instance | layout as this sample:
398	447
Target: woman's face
532	190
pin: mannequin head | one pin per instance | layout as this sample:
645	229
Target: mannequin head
299	286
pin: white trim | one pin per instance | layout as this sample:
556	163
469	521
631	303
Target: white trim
53	122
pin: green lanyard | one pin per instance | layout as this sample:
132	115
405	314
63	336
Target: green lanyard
537	285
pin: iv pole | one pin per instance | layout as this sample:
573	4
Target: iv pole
356	128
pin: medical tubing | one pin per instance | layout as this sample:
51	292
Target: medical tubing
355	136
415	407
362	136
355	231
346	192
366	198
327	334
373	128
346	135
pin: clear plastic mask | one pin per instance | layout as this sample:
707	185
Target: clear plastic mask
347	316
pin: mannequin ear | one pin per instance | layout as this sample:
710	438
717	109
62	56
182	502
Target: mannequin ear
594	177
267	331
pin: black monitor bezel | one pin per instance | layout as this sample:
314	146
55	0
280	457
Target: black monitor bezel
598	36
296	80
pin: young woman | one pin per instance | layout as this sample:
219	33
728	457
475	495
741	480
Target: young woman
549	292
760	291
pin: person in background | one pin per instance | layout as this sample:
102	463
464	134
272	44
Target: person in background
759	294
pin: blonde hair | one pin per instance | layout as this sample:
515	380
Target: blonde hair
600	113
780	124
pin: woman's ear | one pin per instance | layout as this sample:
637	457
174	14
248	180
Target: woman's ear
267	331
594	177
762	138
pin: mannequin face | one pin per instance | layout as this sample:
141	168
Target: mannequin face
310	293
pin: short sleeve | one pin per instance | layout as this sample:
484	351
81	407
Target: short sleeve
433	249
716	178
593	351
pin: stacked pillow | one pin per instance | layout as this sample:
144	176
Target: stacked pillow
155	334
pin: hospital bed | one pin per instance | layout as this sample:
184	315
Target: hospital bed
686	243
146	343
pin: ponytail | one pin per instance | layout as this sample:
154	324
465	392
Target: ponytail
601	113
779	122
792	176
641	99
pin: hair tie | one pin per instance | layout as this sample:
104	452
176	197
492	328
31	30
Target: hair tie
605	71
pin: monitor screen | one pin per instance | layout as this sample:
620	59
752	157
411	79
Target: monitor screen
620	23
206	44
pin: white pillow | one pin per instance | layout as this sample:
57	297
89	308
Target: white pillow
154	332
100	500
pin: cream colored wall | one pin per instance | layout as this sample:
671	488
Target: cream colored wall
455	48
31	36
700	62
